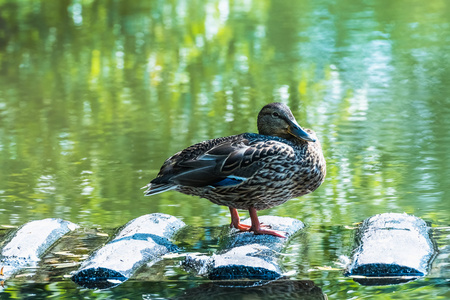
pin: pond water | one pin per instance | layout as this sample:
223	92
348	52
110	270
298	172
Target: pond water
95	95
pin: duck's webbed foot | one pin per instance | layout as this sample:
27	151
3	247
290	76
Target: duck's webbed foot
277	233
258	228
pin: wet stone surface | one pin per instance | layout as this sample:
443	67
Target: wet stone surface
143	240
246	255
25	246
390	246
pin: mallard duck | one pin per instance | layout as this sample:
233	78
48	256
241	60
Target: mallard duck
249	171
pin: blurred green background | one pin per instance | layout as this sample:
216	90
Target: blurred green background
95	95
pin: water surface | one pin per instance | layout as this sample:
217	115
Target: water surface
95	95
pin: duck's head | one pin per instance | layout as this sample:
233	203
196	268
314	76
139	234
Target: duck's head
276	119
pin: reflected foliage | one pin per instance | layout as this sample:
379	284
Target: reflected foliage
95	95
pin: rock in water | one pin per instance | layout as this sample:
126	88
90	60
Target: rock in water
25	246
141	241
391	248
246	255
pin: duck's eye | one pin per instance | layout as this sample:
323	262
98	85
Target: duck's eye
275	114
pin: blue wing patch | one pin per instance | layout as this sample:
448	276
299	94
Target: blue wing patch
229	181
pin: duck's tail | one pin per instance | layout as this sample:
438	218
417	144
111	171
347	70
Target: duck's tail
155	188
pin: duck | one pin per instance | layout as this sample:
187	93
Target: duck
249	171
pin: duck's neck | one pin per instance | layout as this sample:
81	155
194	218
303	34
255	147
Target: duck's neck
294	140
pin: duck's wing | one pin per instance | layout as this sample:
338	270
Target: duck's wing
221	163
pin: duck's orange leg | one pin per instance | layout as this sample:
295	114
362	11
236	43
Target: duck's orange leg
236	221
2	283
256	226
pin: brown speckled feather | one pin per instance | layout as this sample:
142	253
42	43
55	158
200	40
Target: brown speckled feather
271	170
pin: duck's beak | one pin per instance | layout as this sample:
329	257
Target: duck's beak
298	132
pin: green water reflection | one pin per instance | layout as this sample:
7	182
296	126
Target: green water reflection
95	95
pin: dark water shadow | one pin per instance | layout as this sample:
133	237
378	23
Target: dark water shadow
279	289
